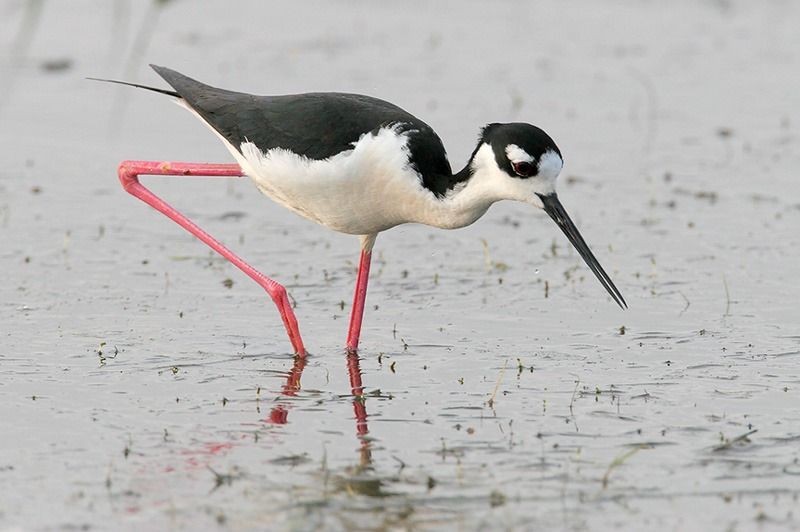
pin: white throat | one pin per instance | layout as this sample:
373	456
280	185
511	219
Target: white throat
470	200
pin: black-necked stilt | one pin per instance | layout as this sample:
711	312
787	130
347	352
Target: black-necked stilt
358	165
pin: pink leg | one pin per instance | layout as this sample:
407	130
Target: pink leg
129	172
359	299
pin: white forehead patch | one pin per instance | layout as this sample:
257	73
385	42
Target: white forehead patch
516	154
550	165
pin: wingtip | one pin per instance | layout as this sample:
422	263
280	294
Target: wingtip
161	70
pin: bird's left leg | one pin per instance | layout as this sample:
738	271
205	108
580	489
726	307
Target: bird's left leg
129	172
357	313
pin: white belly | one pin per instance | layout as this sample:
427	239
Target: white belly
361	191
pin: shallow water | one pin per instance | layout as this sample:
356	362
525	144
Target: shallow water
501	386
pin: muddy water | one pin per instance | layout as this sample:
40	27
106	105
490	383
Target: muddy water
146	384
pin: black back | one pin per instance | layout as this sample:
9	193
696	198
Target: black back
316	125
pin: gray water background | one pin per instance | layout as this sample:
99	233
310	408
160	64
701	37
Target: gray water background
503	388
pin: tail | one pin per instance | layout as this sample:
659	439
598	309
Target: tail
154	89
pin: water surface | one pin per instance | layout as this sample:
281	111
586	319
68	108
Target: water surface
145	383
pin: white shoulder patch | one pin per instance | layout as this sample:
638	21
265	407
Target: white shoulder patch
516	154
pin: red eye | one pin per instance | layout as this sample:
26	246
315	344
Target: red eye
524	169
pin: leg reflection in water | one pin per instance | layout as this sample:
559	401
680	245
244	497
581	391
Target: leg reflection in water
280	413
359	407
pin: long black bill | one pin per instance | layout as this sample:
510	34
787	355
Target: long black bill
553	207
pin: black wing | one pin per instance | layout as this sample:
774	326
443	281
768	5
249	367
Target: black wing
316	125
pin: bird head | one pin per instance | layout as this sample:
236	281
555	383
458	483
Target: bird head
522	163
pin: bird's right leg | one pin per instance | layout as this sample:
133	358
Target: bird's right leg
360	296
129	172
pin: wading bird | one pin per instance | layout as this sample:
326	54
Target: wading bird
357	165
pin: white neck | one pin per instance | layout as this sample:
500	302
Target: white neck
470	200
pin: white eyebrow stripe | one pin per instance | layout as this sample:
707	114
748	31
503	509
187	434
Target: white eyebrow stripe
516	154
550	165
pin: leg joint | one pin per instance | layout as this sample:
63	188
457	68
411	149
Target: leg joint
277	291
128	175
